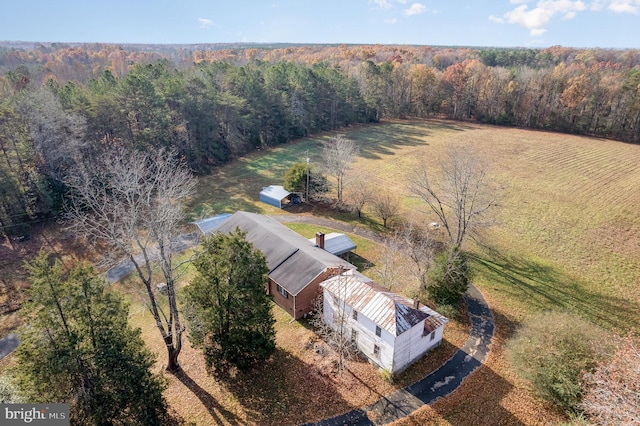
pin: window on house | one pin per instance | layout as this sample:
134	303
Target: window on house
433	336
378	331
376	350
282	291
354	335
354	315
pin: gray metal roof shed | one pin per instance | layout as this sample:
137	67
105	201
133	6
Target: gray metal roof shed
273	195
336	243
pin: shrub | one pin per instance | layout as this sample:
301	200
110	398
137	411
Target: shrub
448	277
552	351
449	311
295	180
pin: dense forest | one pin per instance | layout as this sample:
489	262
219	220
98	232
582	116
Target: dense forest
64	104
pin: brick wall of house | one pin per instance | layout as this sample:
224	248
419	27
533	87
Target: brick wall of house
305	299
282	301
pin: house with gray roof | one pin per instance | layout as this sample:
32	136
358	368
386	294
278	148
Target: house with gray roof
296	266
391	330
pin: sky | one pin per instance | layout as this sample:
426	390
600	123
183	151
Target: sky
499	23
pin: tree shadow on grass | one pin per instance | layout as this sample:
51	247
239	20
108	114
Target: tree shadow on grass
285	390
218	412
544	287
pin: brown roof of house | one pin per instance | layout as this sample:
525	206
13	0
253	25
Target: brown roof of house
292	260
390	311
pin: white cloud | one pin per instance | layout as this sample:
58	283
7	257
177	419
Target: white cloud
624	6
415	9
205	23
385	4
536	19
391	21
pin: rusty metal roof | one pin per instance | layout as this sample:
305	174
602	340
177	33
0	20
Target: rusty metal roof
390	311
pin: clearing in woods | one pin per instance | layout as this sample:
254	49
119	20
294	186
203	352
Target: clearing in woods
567	236
567	232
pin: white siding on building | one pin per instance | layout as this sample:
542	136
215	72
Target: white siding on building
396	352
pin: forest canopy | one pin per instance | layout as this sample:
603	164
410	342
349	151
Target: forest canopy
66	103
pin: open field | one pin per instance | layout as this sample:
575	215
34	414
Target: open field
567	234
568	230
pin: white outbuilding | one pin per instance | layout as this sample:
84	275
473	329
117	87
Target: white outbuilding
391	330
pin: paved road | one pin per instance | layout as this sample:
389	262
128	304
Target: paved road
8	344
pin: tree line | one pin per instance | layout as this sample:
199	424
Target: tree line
214	105
207	114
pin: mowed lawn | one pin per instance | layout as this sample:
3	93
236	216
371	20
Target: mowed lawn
566	233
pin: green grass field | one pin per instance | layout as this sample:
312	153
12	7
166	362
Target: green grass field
568	230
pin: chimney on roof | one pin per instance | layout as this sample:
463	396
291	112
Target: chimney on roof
320	239
416	304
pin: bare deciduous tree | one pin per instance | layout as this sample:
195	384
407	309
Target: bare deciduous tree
391	265
133	204
57	135
330	323
387	206
338	154
419	246
613	390
361	192
461	198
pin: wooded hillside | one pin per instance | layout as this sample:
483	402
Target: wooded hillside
64	103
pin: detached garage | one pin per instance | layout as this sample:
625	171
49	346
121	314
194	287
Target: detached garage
275	195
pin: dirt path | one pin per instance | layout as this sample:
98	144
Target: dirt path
330	223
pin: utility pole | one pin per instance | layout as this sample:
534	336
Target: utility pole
306	198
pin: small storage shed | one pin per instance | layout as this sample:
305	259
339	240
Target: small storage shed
335	243
274	195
